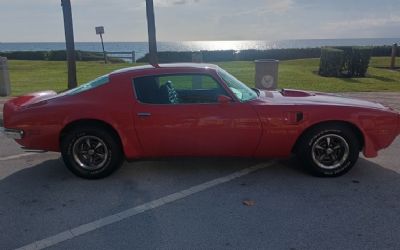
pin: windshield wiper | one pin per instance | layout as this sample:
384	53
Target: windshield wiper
257	91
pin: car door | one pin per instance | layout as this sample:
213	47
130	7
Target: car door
179	115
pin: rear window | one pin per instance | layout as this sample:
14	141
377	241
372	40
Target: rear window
90	85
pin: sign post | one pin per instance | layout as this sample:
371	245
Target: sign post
100	31
151	26
70	43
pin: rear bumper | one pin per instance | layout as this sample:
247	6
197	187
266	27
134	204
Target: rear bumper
15	134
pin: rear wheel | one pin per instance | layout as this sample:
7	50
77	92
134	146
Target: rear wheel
91	152
329	150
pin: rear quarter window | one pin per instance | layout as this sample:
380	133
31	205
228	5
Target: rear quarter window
90	85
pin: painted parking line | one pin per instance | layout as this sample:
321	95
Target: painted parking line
12	157
111	219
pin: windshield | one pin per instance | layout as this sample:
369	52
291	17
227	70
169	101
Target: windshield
242	92
90	85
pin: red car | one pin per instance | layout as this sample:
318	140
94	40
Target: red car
196	110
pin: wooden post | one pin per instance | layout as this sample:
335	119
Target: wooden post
5	85
151	26
133	56
70	43
394	54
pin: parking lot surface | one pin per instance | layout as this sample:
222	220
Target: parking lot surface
198	203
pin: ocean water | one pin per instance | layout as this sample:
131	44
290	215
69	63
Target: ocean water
141	48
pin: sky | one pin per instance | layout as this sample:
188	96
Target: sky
202	20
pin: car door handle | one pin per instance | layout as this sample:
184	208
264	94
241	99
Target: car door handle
144	114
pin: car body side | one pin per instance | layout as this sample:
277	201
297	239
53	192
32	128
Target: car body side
114	105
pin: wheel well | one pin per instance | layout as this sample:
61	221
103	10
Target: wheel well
349	125
91	123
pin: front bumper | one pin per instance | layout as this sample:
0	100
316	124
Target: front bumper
15	134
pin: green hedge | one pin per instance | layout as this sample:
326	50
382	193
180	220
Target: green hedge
25	55
359	62
345	61
208	56
231	55
332	61
56	55
251	55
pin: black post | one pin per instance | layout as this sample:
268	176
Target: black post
151	26
70	44
104	52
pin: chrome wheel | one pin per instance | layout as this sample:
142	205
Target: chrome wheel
90	152
330	151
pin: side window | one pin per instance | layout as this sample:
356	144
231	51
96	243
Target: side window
177	89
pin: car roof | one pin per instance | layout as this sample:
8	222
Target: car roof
166	66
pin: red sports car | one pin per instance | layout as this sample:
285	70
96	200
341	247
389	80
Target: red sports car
196	110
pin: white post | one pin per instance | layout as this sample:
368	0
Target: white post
133	56
5	86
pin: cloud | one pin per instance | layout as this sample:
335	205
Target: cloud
268	7
277	6
364	23
169	3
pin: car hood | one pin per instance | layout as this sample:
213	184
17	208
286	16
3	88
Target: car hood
290	96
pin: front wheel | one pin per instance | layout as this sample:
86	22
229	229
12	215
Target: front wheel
91	152
330	150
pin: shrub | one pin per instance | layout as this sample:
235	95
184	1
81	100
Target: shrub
25	55
359	63
383	51
355	61
243	55
56	55
331	63
279	54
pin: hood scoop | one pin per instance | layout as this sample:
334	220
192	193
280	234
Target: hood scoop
295	93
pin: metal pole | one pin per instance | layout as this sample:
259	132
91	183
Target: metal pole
104	52
151	26
394	54
70	44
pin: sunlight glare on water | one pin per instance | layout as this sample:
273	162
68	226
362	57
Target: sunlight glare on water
227	45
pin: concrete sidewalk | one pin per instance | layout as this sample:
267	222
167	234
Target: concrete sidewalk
391	99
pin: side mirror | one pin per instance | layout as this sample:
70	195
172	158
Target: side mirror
224	99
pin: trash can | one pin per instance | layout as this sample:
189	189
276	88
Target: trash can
5	88
267	74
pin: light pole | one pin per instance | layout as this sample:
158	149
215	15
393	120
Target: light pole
100	31
70	44
151	26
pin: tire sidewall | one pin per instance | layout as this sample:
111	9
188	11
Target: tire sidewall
114	153
314	135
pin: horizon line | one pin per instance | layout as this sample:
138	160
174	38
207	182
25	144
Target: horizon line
256	40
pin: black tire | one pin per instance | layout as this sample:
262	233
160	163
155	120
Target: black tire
85	158
329	150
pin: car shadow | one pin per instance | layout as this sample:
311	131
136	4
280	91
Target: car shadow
45	199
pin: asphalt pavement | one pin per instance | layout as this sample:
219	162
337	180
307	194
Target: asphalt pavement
194	203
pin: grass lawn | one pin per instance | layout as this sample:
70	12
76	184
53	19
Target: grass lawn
28	76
